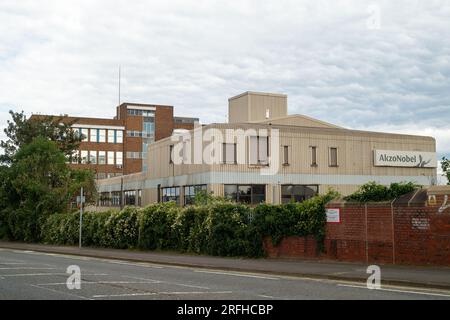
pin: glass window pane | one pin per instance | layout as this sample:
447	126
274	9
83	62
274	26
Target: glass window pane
119	158
93	157
111	136
313	156
84	156
230	191
263	150
93	135
333	157
110	157
102	135
253	150
102	157
85	133
286	155
119	136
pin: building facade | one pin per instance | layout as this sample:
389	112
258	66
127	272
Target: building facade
116	147
271	157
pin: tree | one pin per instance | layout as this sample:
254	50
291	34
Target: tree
86	179
3	202
38	183
21	131
445	165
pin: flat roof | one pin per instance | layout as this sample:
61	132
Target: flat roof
259	94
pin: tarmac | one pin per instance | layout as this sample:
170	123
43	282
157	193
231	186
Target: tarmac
414	276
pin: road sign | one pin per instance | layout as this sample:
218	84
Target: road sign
81	199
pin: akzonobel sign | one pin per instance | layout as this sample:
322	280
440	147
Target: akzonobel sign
392	158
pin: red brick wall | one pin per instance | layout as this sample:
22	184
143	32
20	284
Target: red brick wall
378	233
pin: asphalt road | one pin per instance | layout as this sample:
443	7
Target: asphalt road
35	275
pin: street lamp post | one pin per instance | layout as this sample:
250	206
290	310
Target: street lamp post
81	215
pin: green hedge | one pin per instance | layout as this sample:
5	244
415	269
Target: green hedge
373	191
217	228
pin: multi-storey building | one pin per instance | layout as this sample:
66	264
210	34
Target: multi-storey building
265	155
114	147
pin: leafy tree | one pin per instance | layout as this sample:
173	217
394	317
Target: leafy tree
22	130
83	178
38	183
445	165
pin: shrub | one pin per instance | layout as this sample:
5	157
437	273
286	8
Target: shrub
216	227
61	229
227	225
122	228
95	229
155	226
293	219
190	229
373	191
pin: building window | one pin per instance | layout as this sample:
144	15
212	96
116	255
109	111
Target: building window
139	198
85	134
130	197
119	158
101	135
285	155
149	125
110	157
137	112
333	157
111	136
105	199
93	137
229	153
259	150
75	158
171	154
298	193
186	152
249	194
93	157
171	194
84	156
102	157
191	191
134	155
119	136
313	156
115	198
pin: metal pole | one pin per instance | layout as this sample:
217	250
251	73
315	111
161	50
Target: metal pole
81	215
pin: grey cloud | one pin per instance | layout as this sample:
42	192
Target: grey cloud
62	57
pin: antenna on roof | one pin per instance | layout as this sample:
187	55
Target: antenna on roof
119	82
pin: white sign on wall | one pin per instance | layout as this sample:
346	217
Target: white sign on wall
392	158
333	215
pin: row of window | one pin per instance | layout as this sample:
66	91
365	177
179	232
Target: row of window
101	135
140	134
259	153
130	198
256	193
173	194
135	155
98	157
137	112
247	194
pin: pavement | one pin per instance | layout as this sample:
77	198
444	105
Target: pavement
428	277
32	275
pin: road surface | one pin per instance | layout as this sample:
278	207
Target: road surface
35	275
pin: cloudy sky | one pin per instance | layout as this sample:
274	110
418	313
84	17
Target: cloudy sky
375	65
